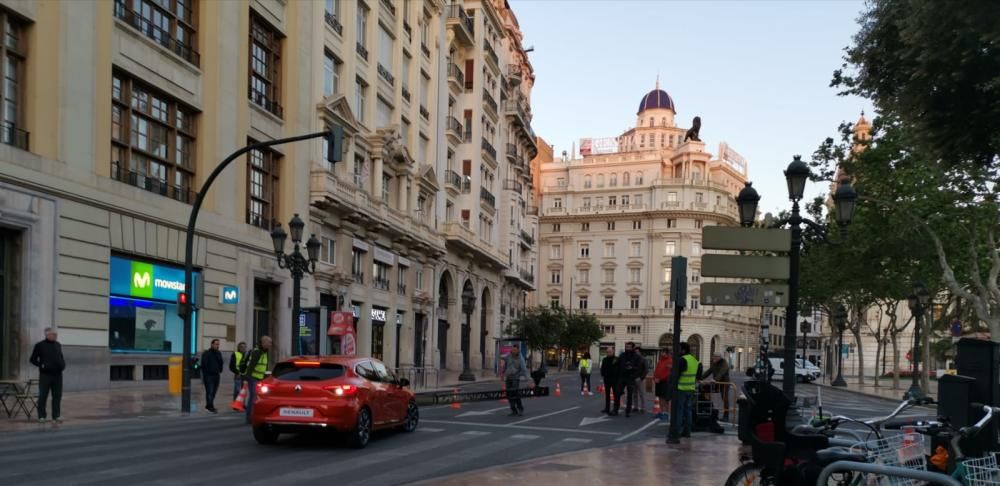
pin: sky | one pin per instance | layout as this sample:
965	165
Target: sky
756	72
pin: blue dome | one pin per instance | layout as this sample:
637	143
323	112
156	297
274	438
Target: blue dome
656	99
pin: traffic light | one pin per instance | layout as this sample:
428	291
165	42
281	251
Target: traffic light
183	305
334	144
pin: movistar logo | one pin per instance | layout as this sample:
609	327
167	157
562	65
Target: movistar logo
141	280
230	295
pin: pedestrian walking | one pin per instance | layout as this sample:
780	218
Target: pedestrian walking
629	368
718	372
689	369
640	382
234	365
585	366
211	374
609	374
48	357
661	378
514	369
255	371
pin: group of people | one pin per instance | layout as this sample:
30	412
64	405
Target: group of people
247	369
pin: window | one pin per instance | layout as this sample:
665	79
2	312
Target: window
584	302
12	50
699	197
695	248
265	65
554	302
613	180
611	225
331	74
634	329
695	275
609	275
556	251
635	249
600	180
609	250
425	27
586	202
612	201
638	178
557	203
671	223
328	252
380	272
385	50
608	330
359	169
362	30
634	275
359	98
584	226
383	118
666	303
425	90
555	227
698	223
694	303
584	250
262	187
586	182
358	265
609	302
625	201
671	248
671	197
584	276
625	179
666	275
170	24
386	188
556	277
418	277
633	303
637	225
152	139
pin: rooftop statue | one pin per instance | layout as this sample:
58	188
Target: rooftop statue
692	133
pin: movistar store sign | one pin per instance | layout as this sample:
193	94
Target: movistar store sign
145	280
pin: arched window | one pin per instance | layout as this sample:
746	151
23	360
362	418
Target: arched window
651	121
625	179
640	122
638	178
600	180
613	180
663	121
586	181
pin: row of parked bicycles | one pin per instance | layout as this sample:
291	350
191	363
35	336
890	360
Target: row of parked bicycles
884	451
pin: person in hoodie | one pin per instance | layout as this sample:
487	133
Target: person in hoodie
48	357
211	373
609	373
661	376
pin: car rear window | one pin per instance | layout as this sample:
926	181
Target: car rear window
307	372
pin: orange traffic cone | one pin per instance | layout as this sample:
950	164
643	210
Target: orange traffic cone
455	404
656	407
600	389
238	403
503	389
558	390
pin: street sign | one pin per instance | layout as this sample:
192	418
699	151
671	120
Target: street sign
744	266
760	239
744	294
678	280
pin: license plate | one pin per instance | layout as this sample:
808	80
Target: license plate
295	412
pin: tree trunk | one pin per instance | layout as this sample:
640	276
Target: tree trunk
861	357
925	358
879	349
895	361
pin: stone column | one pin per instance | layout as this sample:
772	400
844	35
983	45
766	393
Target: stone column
376	174
404	201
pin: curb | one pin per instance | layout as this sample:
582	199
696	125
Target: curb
860	392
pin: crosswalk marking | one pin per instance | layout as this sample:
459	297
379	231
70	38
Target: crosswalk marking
524	437
577	440
475	433
429	429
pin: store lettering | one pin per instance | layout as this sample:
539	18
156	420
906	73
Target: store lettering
168	284
378	315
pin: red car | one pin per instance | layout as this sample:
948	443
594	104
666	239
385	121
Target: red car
337	393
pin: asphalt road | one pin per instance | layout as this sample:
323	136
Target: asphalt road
204	448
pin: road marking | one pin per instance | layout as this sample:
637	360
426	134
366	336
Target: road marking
429	429
578	440
525	436
587	420
520	427
543	416
484	412
640	429
476	432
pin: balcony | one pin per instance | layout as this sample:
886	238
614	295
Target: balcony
463	26
11	135
489	150
381	283
156	186
513	185
332	21
358	277
454	129
406	94
490	103
521	277
512	156
389	6
491	55
162	37
532	210
425	113
487	197
466	240
515	109
401	289
455	183
384	73
456	79
527	238
514	73
362	51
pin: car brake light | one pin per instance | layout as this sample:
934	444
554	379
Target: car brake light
342	390
263	389
306	364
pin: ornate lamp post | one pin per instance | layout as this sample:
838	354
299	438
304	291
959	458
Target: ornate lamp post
468	305
296	263
918	302
804	326
839	322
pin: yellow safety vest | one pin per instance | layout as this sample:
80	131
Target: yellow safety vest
258	371
688	378
585	365
239	359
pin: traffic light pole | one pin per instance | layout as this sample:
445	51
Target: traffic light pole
334	137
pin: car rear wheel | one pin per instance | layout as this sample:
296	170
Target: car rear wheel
412	417
263	435
362	430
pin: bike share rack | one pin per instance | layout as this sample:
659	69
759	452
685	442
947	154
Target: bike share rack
895	472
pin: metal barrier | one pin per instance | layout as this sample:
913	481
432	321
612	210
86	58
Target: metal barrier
727	393
886	471
421	377
446	397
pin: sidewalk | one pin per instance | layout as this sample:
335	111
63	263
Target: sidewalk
884	390
703	459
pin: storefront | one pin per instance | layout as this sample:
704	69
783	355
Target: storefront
143	308
378	331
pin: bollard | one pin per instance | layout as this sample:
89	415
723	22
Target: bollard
174	374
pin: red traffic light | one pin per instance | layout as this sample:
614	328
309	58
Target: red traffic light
182	298
183	307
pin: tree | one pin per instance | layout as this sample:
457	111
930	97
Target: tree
542	327
581	329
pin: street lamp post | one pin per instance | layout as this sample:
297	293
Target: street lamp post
839	320
468	305
296	263
844	199
804	325
917	301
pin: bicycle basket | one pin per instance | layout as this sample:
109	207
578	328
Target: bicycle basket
902	450
982	471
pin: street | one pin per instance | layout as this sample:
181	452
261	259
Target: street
204	448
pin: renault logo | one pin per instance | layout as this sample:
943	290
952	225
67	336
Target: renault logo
298	388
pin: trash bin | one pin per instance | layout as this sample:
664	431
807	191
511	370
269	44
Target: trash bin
174	374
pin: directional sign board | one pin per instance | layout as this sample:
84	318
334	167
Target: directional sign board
744	266
760	239
744	294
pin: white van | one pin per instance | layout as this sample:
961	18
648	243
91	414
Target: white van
802	375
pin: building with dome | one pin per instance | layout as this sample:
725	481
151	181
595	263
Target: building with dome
613	214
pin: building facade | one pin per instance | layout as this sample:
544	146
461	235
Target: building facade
614	216
114	120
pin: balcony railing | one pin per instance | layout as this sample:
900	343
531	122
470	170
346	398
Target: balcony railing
359	277
362	51
424	113
389	6
488	148
487	197
512	153
265	102
455	73
513	185
385	74
457	12
455	126
154	32
332	21
11	135
401	289
530	240
490	53
381	283
425	49
492	103
452	177
406	93
526	275
151	184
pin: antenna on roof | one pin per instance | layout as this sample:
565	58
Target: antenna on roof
657	80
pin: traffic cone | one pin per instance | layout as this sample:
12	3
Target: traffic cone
558	390
656	407
503	389
455	404
238	403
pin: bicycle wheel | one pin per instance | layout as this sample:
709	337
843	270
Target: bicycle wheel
748	474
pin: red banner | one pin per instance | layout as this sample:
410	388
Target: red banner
340	323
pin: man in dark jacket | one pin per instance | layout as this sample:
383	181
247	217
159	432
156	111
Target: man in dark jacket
629	369
211	371
609	374
48	357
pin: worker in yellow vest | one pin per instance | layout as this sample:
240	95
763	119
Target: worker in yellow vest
585	366
255	371
687	384
234	366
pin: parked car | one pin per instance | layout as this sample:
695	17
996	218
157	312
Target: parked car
802	375
334	393
812	369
